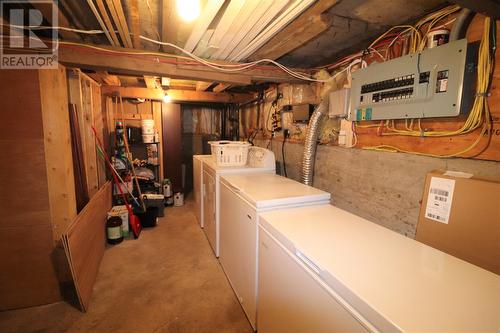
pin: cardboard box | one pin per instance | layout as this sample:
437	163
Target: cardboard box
460	215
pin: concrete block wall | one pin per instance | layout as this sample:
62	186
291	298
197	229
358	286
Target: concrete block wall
385	188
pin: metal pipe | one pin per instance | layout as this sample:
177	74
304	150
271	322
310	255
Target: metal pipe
309	154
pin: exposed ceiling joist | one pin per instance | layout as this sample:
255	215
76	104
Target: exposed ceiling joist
300	31
176	95
116	10
226	21
259	25
107	21
285	42
245	29
285	18
151	82
123	61
221	87
202	86
239	21
209	11
104	77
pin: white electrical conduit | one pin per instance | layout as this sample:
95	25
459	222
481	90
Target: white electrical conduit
101	22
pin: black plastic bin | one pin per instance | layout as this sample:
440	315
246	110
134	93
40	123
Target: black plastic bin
147	218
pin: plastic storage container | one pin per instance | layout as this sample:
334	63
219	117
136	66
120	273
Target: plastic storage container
230	153
155	200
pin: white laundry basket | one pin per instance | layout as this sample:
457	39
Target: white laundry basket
230	153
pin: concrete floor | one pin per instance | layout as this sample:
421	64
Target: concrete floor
166	281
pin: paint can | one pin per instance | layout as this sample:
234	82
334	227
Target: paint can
437	37
178	199
148	127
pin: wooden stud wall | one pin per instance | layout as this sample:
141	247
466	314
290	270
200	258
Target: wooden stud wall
85	94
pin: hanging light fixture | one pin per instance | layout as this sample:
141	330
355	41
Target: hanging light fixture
166	98
188	10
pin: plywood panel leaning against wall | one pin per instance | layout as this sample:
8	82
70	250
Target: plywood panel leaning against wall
84	242
36	194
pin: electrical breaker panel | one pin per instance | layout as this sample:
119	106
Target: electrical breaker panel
437	82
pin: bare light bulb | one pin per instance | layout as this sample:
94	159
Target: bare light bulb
166	98
188	10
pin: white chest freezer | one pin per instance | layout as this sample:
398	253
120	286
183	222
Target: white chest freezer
259	160
243	197
322	269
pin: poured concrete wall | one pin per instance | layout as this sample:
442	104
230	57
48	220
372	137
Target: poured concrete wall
385	188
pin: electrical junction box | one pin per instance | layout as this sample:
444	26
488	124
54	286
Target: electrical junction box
338	103
437	82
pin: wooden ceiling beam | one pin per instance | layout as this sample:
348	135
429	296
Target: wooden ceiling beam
221	87
201	25
107	21
124	61
151	82
176	95
287	43
300	24
116	10
202	86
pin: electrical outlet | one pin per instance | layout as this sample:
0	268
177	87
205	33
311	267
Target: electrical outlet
286	133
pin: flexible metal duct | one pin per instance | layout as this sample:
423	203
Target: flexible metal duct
460	26
309	155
